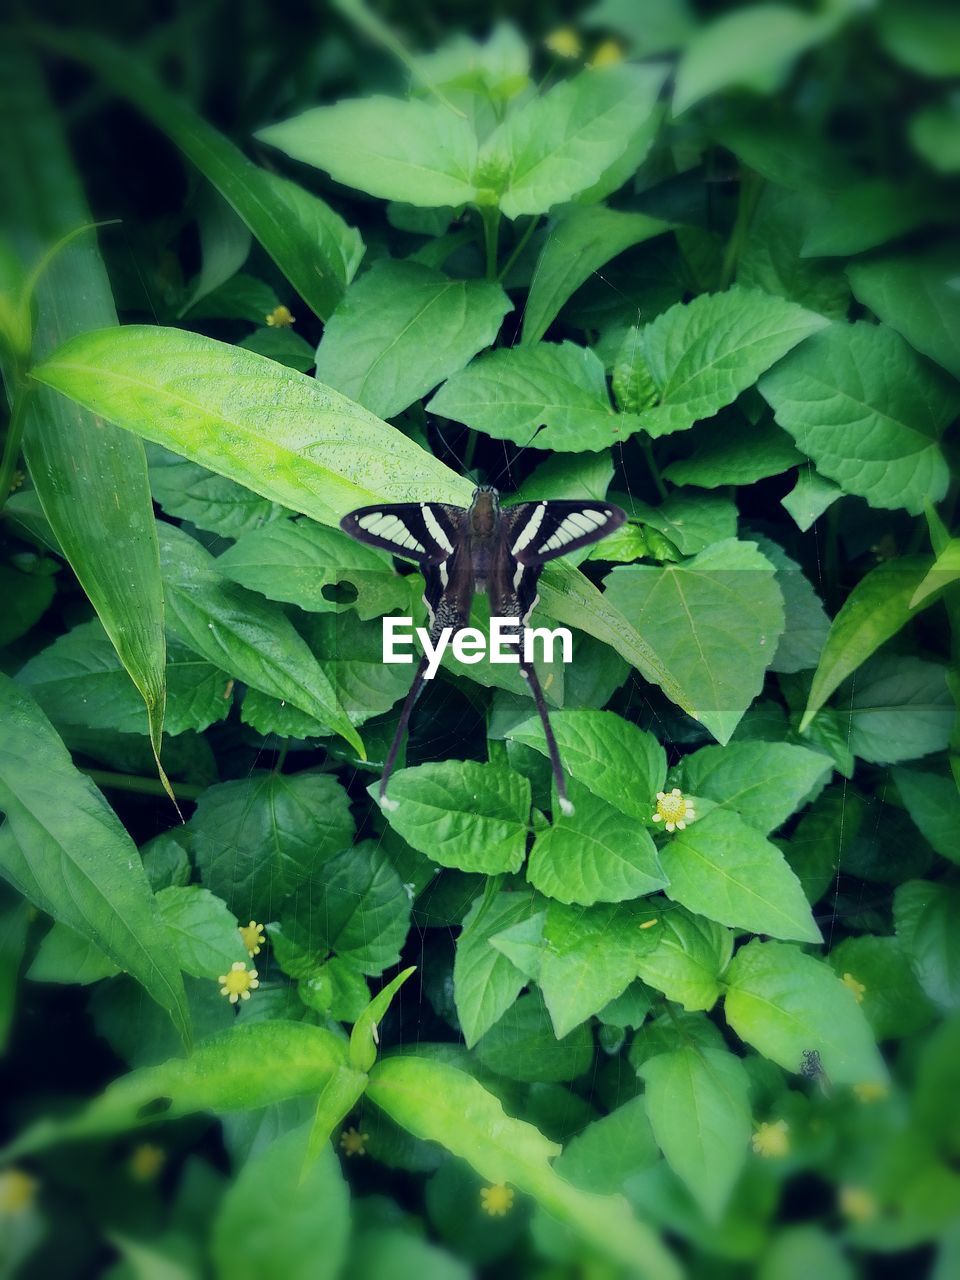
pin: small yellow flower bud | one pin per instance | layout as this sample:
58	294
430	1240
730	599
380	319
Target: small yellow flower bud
146	1161
857	1204
772	1139
496	1200
353	1142
853	985
673	810
871	1090
606	55
564	42
252	935
280	318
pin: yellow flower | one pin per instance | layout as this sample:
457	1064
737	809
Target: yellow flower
353	1142
857	1204
673	810
772	1139
280	318
146	1161
238	983
564	42
252	935
606	55
871	1090
496	1200
17	1193
856	987
16	480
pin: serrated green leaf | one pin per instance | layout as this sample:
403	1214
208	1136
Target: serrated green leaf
402	329
203	932
65	850
522	1045
485	981
616	760
255	642
927	918
260	839
787	1004
211	502
718	616
688	956
877	607
763	781
868	412
79	680
810	497
703	353
580	241
771	255
896	708
595	854
462	814
697	1104
742	453
891	998
510	393
692	522
724	869
607	1152
65	956
933	803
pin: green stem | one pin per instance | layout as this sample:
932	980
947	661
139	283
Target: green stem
281	755
143	786
11	448
751	184
491	227
518	248
647	445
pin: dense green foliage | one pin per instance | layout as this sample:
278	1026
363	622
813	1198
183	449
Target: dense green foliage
707	1023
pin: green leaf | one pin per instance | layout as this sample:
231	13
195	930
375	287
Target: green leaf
393	1253
462	814
914	294
763	781
301	1214
924	36
579	242
797	1252
522	1045
595	854
617	761
555	146
724	869
363	1037
806	624
896	708
224	244
64	849
589	958
718	616
27	597
771	259
260	839
933	134
742	453
702	354
867	213
692	522
283	435
607	1152
243	1069
486	982
360	911
309	242
876	609
933	803
945	570
299	561
65	956
203	933
510	393
752	48
787	1004
402	329
228	625
892	1001
79	680
810	497
282	345
211	502
698	1106
868	411
421	153
687	958
927	918
350	653
90	478
436	1101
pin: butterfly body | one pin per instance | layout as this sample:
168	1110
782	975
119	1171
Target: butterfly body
485	548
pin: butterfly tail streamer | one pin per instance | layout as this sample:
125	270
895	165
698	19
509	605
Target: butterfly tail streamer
416	688
529	674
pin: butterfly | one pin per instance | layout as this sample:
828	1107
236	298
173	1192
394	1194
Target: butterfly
481	548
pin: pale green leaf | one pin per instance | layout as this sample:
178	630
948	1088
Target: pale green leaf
485	981
522	1045
945	570
896	708
65	956
763	781
741	453
810	497
891	998
203	932
688	955
787	1004
933	803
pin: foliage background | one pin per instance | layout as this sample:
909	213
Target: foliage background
719	273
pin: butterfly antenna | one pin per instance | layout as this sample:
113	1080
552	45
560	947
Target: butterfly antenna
506	459
529	674
391	760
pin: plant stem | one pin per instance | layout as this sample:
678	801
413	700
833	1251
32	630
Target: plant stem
491	227
143	786
751	184
11	448
647	445
518	248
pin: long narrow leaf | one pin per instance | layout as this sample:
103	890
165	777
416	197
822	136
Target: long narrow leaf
90	476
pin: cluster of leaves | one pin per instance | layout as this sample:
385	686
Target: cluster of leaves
701	270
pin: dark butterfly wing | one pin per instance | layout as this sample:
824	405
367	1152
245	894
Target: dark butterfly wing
542	531
426	532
